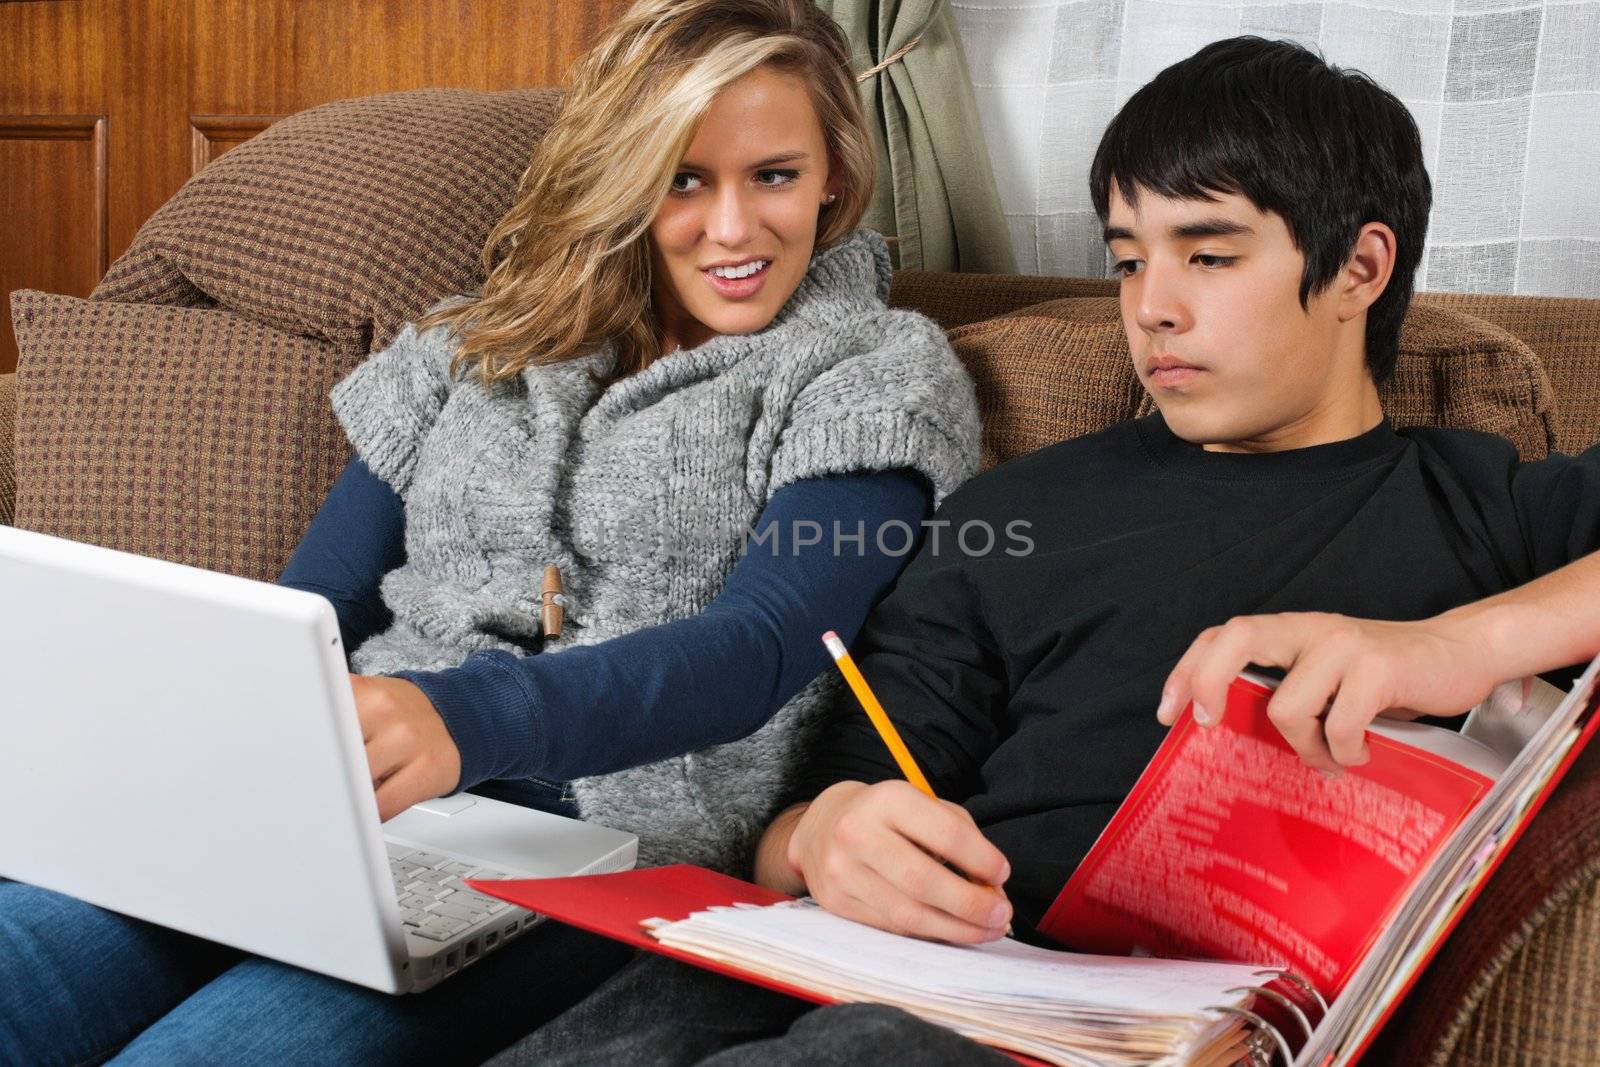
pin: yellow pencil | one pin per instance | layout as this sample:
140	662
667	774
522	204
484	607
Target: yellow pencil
875	712
880	719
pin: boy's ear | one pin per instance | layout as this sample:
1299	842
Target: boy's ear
1366	273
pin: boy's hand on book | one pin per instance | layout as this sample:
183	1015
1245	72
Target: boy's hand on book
1341	673
877	854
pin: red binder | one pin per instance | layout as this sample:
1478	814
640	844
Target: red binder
1234	808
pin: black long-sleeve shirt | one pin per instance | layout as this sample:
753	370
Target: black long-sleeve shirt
1025	682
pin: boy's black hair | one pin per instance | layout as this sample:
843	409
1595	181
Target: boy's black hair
1328	150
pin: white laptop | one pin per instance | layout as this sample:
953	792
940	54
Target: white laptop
182	746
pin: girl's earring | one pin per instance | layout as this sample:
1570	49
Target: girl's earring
830	198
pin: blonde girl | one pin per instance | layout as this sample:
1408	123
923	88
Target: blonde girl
681	386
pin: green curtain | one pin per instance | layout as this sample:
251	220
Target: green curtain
936	193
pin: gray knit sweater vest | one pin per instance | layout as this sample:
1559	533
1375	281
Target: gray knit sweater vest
642	493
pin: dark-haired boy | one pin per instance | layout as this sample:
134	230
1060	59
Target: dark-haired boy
1266	213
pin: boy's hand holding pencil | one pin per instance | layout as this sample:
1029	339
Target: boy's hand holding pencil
878	853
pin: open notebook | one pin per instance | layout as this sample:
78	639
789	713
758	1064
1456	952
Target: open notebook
1042	1005
1058	1007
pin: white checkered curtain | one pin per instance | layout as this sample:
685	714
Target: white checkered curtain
1507	97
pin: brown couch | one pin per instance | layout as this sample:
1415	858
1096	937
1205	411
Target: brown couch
182	412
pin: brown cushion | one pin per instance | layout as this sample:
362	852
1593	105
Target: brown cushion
1565	332
191	434
344	221
1048	372
1061	368
8	457
1457	371
952	299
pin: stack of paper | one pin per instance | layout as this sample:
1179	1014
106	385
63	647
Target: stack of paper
1058	1007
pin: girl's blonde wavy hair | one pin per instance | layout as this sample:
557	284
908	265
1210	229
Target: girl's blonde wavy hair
569	266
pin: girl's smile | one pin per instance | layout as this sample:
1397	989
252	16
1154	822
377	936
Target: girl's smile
734	235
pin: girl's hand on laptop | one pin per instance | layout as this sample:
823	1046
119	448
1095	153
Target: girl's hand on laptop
1341	674
877	854
409	750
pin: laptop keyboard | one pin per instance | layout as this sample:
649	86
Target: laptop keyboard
433	901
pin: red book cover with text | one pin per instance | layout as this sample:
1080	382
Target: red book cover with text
1231	847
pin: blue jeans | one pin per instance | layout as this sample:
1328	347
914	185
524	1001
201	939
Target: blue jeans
82	985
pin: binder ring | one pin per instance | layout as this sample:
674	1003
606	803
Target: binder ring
1290	976
1279	999
1262	1027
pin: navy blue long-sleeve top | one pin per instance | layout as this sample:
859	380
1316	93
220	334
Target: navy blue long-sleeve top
658	692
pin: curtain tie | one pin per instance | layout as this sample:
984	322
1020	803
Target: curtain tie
897	56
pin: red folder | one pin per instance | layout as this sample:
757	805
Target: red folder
617	905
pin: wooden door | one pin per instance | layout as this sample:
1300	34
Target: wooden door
108	106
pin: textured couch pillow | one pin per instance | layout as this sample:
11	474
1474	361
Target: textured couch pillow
1460	372
344	221
1565	332
1060	369
1048	372
191	434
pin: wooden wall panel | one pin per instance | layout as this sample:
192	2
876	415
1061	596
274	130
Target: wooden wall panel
181	81
147	96
212	135
347	49
243	58
58	160
52	58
